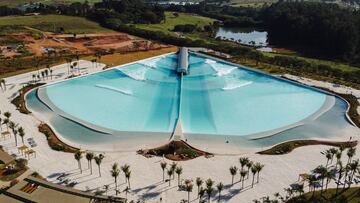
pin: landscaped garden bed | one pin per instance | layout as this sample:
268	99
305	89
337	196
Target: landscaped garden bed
176	151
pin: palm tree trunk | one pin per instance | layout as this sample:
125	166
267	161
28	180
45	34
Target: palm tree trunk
258	177
99	170
188	196
252	184
219	196
79	166
163	175
232	180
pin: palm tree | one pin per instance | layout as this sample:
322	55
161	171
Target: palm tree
321	171
333	151
219	187
78	156
253	171
242	177
178	171
233	171
338	158
125	168
115	171
7	114
13	127
209	188
21	134
328	156
189	188
127	176
248	165
199	182
350	153
6	122
163	167
312	182
173	167
98	159
353	166
258	167
201	194
89	157
170	173
340	173
243	161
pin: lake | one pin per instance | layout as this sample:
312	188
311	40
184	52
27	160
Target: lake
248	36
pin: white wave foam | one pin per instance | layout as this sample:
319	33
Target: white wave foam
152	62
115	89
235	83
135	73
209	61
220	68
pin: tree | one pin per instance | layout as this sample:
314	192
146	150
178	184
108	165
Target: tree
7	114
321	171
219	187
98	159
21	134
13	127
178	171
115	171
89	157
6	122
350	153
258	167
127	176
340	173
170	173
333	152
163	167
201	194
328	156
199	182
249	165
125	168
253	171
209	188
233	171
78	156
173	167
189	188
242	177
243	161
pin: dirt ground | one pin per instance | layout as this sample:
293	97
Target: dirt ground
47	43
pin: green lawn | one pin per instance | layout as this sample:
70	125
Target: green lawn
341	66
52	22
171	21
351	195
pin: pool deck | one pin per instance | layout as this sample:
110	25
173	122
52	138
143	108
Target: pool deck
147	175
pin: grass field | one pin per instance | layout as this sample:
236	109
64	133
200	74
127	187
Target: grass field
51	23
171	21
13	3
341	66
351	195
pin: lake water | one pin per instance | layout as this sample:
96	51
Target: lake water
243	36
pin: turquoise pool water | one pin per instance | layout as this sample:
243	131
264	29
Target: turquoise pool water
216	98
